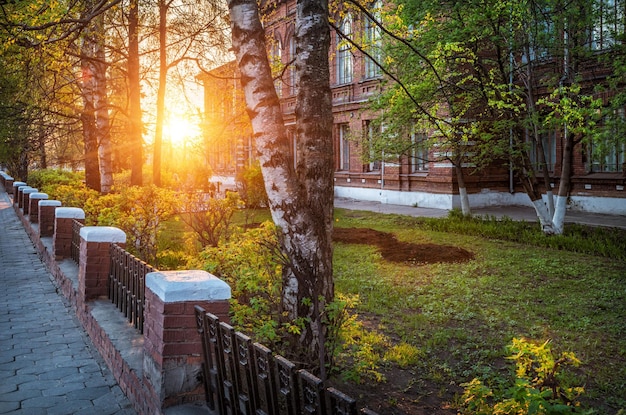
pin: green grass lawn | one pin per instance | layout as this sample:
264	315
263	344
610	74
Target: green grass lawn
461	316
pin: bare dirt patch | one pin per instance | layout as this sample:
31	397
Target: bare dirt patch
394	250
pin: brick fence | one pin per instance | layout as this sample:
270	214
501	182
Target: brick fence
159	369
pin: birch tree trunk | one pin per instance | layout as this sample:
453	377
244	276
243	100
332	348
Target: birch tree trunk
160	104
88	115
565	183
301	201
102	110
460	177
135	133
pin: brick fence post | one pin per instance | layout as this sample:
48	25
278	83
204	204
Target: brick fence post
95	260
26	192
62	239
14	192
6	180
18	195
172	359
8	184
46	216
33	205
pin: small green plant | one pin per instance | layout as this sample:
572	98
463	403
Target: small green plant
251	187
209	218
540	386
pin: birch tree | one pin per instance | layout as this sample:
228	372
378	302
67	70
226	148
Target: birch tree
301	198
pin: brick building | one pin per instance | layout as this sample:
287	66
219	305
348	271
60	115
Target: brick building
419	178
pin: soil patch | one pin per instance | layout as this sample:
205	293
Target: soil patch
394	250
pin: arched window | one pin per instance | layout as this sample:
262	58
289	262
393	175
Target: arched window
373	42
344	54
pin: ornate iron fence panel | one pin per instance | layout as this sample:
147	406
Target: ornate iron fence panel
127	284
75	244
245	378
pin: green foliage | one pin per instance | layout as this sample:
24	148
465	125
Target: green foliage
461	315
209	218
540	385
251	187
48	177
141	213
251	263
606	242
75	195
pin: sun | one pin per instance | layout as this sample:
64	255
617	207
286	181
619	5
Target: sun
179	130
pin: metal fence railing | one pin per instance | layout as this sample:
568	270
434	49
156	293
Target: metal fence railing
127	282
242	377
75	248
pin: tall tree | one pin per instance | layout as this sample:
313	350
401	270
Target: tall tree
88	92
135	136
301	200
164	6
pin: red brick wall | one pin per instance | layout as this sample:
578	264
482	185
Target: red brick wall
46	220
62	245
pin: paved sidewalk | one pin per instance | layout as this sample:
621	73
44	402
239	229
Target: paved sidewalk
48	365
514	212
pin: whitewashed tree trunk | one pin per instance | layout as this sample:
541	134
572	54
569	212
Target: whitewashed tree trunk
565	183
102	111
88	115
465	204
301	201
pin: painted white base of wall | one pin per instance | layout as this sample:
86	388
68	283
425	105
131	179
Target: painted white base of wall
486	198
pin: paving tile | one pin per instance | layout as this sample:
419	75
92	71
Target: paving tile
9	407
47	362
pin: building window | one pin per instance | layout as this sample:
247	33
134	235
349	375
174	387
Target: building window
374	159
548	142
609	149
344	147
344	54
540	35
609	23
277	65
373	43
419	152
292	71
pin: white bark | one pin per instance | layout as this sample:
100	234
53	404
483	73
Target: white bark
300	203
544	216
559	214
550	197
465	204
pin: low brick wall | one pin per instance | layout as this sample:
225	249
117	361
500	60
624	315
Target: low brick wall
147	367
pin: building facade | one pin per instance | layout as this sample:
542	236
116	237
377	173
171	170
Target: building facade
420	177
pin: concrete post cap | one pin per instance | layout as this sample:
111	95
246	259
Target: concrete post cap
23	187
187	285
102	234
50	202
18	184
38	195
69	213
30	190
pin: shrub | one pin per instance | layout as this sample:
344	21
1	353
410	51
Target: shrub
141	213
251	187
251	263
48	177
209	218
75	195
540	387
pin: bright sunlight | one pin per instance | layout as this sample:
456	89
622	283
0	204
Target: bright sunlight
180	130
